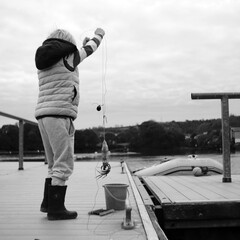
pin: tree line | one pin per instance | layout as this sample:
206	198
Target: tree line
149	137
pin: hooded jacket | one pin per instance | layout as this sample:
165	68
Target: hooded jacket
56	61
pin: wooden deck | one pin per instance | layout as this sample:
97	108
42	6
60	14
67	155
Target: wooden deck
21	195
197	202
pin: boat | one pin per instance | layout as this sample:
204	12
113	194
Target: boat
191	165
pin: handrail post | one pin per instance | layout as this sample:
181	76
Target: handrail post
226	140
21	135
225	96
21	139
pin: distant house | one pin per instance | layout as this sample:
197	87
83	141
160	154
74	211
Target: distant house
235	134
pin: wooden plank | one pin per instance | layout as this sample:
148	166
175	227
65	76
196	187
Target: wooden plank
149	229
206	187
46	237
202	214
157	192
68	234
227	224
217	95
198	187
203	210
189	188
229	191
145	196
188	192
197	201
169	191
161	234
87	237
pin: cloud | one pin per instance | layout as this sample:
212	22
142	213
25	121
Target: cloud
156	53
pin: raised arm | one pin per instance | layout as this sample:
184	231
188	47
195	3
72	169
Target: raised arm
91	45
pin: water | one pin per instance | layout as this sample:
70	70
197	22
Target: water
136	161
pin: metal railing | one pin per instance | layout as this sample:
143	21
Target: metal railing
21	134
224	97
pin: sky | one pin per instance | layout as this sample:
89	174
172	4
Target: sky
154	55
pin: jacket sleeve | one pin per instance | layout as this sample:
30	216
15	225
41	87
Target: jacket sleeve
90	47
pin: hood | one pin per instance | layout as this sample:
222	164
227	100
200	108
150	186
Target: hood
51	51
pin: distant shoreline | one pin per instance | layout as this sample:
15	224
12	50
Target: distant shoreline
78	156
114	156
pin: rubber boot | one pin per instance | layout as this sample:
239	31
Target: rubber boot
56	207
44	204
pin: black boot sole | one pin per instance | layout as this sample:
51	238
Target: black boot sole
61	216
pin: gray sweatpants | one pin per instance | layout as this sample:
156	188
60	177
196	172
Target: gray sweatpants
58	141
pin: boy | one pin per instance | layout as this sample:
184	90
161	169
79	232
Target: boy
57	107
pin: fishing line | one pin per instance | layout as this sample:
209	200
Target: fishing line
104	85
104	117
95	196
106	167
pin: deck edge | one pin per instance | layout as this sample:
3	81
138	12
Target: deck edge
147	223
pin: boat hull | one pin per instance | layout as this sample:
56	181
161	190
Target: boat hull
183	166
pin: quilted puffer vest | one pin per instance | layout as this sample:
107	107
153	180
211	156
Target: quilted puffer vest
58	91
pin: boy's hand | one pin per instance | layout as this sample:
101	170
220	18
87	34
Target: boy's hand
86	39
99	31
